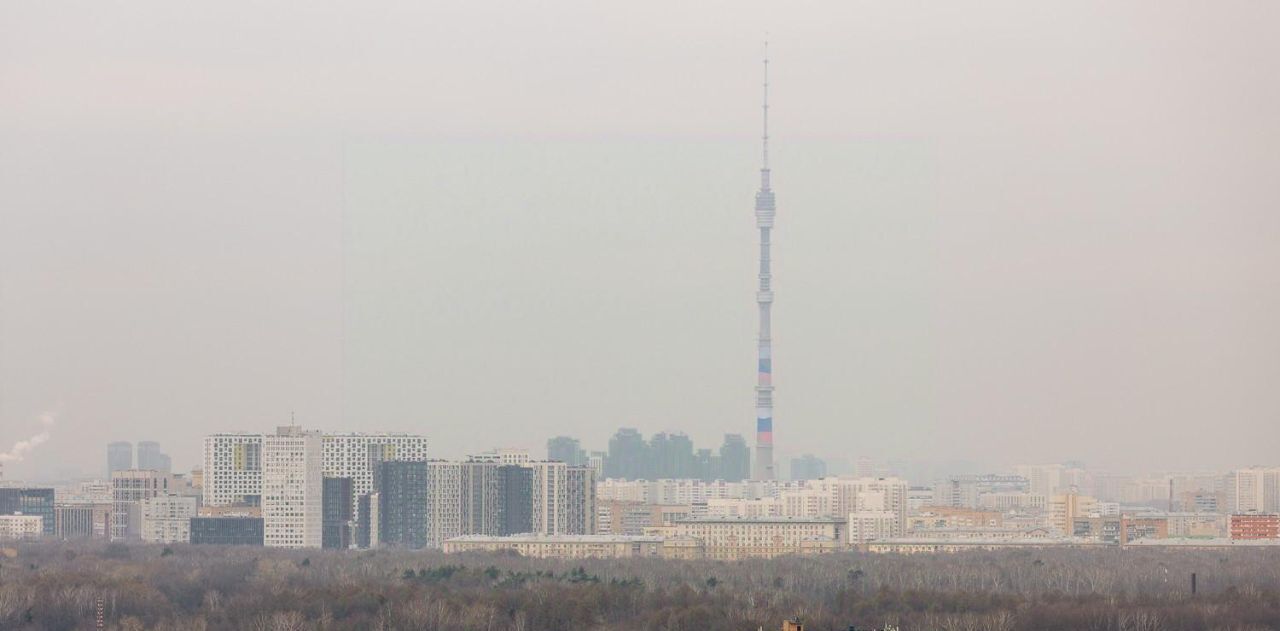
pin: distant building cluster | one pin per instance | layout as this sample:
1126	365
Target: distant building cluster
664	455
657	497
120	457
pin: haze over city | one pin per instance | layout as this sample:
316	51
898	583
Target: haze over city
1007	232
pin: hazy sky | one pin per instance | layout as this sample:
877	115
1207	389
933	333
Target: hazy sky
1007	231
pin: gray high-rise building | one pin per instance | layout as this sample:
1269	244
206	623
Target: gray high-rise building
150	457
364	520
226	531
706	465
628	456
517	499
567	450
401	488
808	467
670	456
580	501
337	506
119	457
735	458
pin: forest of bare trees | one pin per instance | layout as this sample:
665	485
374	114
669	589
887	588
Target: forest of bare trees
54	586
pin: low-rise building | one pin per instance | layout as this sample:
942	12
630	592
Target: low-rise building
1255	526
29	501
1135	528
1197	525
932	517
82	520
14	527
1065	508
867	526
560	546
730	538
1012	500
617	517
935	546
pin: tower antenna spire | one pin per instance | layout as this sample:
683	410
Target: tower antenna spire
765	136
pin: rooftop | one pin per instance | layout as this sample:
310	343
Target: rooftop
1206	543
734	519
535	538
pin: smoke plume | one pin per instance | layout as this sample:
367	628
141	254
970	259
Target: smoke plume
21	448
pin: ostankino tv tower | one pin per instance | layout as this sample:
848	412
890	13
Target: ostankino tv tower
764	469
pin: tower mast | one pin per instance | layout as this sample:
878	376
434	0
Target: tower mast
764	469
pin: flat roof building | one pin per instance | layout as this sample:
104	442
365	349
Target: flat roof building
167	518
560	546
30	501
730	538
226	531
1255	526
15	527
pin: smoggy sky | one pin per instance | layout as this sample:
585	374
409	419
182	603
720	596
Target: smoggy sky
1007	231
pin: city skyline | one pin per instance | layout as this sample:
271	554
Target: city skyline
1049	247
435	315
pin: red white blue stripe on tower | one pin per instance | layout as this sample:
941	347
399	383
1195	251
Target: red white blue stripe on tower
765	209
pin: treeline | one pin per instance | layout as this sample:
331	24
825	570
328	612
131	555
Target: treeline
56	586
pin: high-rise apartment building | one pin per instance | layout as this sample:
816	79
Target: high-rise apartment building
233	462
232	469
735	459
580	501
167	518
520	509
339	519
1044	479
226	531
567	450
1255	489
628	456
119	457
292	488
595	460
150	457
496	498
129	489
671	456
504	455
354	455
402	489
808	467
549	497
481	498
444	501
